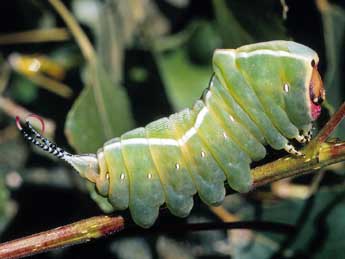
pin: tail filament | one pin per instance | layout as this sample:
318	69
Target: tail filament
31	135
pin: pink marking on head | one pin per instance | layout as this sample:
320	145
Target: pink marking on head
315	110
317	92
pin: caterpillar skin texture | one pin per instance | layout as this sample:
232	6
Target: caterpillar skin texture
261	94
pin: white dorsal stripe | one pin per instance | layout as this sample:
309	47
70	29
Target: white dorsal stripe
189	133
165	141
200	117
276	53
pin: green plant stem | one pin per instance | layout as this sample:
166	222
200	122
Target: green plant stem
329	153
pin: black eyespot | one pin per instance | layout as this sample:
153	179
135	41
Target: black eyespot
313	63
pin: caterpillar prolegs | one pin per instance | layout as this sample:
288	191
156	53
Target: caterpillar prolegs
260	94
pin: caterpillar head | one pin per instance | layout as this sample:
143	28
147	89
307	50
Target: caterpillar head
317	92
281	73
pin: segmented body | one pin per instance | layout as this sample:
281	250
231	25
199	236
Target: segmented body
260	95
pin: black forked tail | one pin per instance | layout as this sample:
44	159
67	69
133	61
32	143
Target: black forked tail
31	135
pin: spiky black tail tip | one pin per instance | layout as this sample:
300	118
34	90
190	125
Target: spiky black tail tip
31	135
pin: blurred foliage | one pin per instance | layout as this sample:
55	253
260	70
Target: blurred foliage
153	58
333	20
100	112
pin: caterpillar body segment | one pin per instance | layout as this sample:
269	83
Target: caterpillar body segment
210	187
146	193
233	161
265	93
174	173
118	193
232	127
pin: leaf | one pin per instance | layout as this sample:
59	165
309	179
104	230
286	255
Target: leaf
184	82
238	26
118	24
100	113
202	43
233	34
333	18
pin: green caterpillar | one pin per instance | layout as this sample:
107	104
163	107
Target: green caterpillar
260	94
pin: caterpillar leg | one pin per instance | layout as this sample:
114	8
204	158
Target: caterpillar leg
302	138
308	135
305	135
292	150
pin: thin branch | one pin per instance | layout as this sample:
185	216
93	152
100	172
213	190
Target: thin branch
75	233
35	36
51	85
223	214
333	122
91	57
79	35
329	153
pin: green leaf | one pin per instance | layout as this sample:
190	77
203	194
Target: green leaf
184	81
333	18
231	30
203	41
100	113
238	25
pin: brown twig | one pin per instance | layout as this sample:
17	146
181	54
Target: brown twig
75	233
330	125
